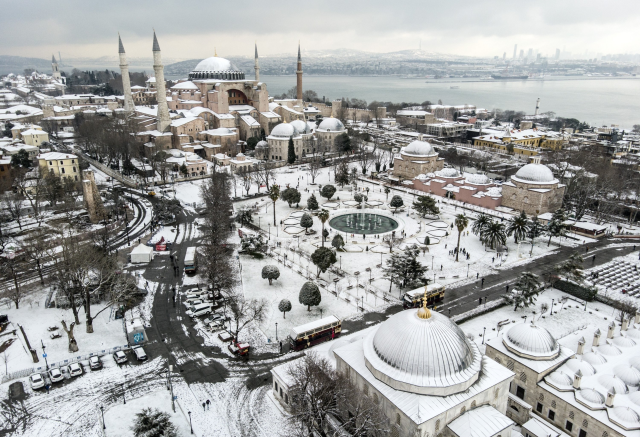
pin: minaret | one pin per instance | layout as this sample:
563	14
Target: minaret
54	67
129	107
256	65
161	94
299	74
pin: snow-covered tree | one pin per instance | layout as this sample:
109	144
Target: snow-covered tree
338	242
556	226
405	270
572	268
291	195
309	295
425	205
312	203
270	272
153	423
306	221
525	291
284	306
323	258
396	202
252	243
328	191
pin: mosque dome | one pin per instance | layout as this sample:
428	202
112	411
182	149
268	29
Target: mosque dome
535	173
625	417
635	362
216	68
635	397
419	148
594	358
575	364
634	333
629	375
284	130
612	382
560	380
477	179
262	144
422	352
609	350
448	172
331	124
590	397
301	126
531	341
623	342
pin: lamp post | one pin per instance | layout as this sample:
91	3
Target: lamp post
124	398
484	331
551	307
190	425
276	331
368	269
357	282
468	269
173	399
340	262
44	355
104	426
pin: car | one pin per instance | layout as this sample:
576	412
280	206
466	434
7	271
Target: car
36	380
141	355
55	375
75	369
95	363
120	357
194	302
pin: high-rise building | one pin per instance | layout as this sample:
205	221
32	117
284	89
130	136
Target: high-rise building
521	54
557	54
504	56
515	50
530	54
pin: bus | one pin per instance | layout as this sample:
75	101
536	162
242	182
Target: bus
413	299
190	260
312	333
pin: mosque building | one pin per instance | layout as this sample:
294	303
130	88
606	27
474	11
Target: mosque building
417	158
533	189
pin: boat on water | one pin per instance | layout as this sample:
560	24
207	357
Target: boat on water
455	87
509	77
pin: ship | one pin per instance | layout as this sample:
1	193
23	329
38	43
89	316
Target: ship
509	77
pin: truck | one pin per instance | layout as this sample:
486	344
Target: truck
190	261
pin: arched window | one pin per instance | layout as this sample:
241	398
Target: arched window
553	404
571	415
473	404
462	410
510	365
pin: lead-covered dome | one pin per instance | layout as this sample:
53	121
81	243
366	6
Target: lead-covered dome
216	68
301	126
448	172
477	179
419	148
535	173
531	341
284	130
422	352
626	417
331	124
262	144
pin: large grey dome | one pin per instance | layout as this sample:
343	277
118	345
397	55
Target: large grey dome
301	126
419	148
535	173
216	68
531	341
284	130
425	355
331	124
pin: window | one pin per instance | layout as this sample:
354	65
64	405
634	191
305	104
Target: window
63	170
73	161
513	407
520	392
76	178
275	384
286	399
61	162
551	415
582	433
280	391
539	407
568	426
74	170
50	163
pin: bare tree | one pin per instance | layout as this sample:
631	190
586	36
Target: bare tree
73	344
12	203
391	241
38	247
11	267
244	311
265	174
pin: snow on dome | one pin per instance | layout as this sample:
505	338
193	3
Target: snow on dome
625	417
536	173
284	130
421	176
635	362
422	352
629	375
301	126
635	397
590	397
448	172
331	124
419	148
560	380
216	64
477	178
610	381
494	191
634	333
529	340
609	350
262	144
575	364
594	358
623	342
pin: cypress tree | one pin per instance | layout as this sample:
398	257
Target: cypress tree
292	152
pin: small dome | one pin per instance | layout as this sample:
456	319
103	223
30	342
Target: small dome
216	64
529	340
625	417
559	380
594	358
536	173
284	130
623	342
591	396
239	154
628	374
634	333
635	362
609	350
331	124
494	191
575	364
419	148
301	126
262	144
448	172
477	179
635	397
422	353
610	381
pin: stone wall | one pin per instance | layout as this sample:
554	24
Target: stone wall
521	198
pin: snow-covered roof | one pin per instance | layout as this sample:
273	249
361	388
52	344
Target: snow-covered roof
53	156
484	421
183	121
535	173
250	120
187	85
530	340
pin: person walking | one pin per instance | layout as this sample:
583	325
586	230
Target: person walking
208	404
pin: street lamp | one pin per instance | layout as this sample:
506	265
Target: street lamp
190	425
468	269
124	398
340	262
551	307
44	355
104	426
276	331
484	331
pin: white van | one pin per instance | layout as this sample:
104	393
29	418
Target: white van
141	355
199	310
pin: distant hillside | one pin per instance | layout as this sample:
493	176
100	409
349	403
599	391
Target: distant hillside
181	68
17	64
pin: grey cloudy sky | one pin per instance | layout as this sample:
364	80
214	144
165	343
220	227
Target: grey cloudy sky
190	29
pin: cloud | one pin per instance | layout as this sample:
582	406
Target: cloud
190	29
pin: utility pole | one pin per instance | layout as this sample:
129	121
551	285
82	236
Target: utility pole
44	355
173	402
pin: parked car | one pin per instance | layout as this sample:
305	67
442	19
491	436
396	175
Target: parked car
95	363
194	302
75	369
203	309
36	380
141	355
120	357
55	375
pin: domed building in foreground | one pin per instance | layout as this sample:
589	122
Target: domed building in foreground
533	189
419	157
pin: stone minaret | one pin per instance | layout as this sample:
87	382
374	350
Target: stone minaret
129	107
256	65
56	70
161	94
299	74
